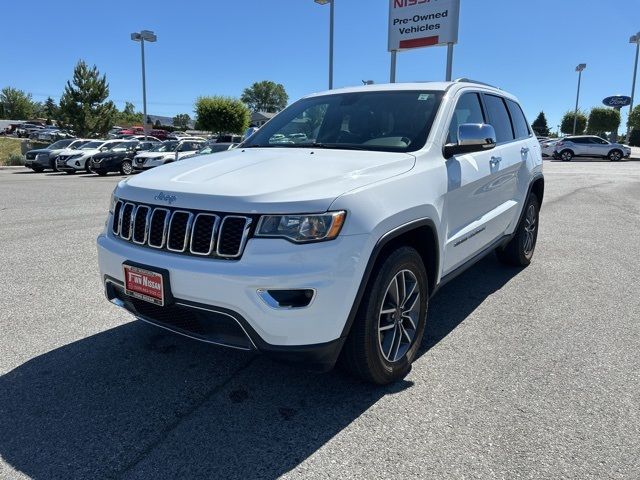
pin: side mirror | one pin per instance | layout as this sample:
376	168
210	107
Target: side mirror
472	137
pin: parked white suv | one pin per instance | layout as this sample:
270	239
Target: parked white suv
167	152
74	160
334	245
589	146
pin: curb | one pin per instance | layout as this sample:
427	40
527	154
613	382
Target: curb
10	167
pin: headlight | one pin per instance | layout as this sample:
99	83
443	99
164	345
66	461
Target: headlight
112	204
301	228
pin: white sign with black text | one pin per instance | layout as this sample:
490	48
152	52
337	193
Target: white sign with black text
422	23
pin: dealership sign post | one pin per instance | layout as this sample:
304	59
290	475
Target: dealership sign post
423	23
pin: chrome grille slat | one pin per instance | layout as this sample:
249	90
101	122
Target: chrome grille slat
165	226
201	217
187	232
221	251
185	236
140	210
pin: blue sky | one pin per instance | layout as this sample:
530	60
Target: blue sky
214	47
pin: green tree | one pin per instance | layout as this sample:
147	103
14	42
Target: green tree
540	125
602	119
50	110
182	121
265	96
128	116
84	106
221	114
634	118
16	104
566	126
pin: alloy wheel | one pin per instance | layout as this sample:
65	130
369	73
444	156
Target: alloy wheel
399	316
530	225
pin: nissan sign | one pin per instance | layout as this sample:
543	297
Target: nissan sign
617	101
422	23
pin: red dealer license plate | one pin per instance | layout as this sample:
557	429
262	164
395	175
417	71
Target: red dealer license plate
144	284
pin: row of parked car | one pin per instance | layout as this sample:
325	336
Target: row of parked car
123	155
566	148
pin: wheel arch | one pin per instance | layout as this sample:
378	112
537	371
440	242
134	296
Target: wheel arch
537	187
420	234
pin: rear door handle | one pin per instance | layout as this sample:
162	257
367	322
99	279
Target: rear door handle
495	161
524	150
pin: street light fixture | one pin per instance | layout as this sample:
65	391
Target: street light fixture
634	39
331	16
579	69
144	36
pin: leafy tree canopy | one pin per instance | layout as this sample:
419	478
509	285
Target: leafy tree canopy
221	114
566	126
265	96
16	104
602	119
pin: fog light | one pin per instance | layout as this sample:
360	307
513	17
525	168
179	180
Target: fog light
287	299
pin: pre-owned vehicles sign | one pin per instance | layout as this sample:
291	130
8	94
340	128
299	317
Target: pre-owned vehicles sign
422	23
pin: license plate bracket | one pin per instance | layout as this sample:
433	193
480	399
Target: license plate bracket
147	283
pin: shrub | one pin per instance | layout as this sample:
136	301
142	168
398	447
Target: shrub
634	140
222	114
14	160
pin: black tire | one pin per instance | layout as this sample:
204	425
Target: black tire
615	155
520	249
363	354
566	155
54	167
87	166
126	168
38	169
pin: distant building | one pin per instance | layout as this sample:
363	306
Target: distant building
260	118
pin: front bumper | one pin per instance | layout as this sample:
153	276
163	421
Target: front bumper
333	269
70	164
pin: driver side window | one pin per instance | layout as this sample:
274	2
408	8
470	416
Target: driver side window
468	110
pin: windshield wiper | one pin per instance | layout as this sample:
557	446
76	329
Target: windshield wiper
338	146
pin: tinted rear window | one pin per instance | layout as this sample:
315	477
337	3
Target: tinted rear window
499	118
520	124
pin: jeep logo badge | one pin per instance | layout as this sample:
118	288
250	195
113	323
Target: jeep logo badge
163	197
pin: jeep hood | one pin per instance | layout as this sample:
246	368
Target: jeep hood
264	180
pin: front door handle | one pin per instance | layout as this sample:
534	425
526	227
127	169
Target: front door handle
495	161
524	150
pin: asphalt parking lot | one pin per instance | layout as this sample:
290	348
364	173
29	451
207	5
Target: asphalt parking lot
530	373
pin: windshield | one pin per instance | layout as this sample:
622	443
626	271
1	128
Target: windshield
123	146
59	144
395	121
91	145
165	147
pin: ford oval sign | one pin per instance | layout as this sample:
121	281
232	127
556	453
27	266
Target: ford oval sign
617	101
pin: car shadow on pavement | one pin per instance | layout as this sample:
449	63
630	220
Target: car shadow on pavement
137	402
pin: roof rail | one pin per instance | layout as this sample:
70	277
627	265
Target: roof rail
468	80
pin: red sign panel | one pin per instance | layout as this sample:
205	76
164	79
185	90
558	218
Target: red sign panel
144	284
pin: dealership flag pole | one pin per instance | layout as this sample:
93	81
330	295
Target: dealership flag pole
579	69
635	39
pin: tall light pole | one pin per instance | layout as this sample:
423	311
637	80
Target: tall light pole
634	39
144	36
579	69
331	17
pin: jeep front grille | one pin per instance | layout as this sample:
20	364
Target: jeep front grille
188	232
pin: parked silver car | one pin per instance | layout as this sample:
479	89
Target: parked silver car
589	146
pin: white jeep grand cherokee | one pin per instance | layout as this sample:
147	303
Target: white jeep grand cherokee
332	246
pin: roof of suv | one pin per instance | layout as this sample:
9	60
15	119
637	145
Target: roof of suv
435	86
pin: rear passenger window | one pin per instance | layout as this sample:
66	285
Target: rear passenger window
468	110
520	124
499	118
